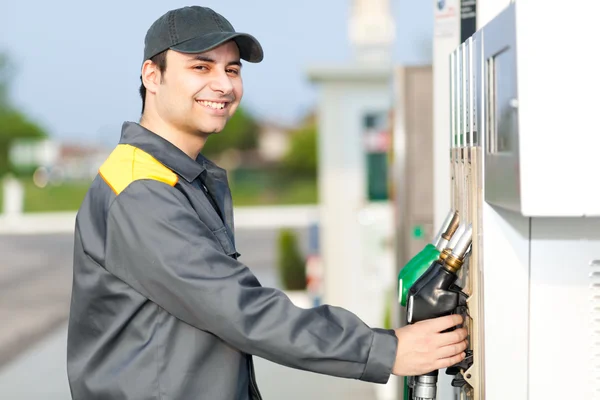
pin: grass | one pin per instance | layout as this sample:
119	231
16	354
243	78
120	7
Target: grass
296	192
253	187
68	196
64	197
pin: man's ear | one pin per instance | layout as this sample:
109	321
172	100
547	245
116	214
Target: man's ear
150	76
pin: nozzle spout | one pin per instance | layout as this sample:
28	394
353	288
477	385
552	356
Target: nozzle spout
447	230
455	260
457	235
463	243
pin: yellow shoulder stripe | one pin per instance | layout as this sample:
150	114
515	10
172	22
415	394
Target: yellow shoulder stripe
127	164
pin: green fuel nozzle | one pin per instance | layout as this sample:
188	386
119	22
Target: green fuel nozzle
417	266
435	294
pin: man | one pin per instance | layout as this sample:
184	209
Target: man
161	307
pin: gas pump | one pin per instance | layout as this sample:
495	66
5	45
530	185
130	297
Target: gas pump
524	263
428	287
436	294
450	283
421	262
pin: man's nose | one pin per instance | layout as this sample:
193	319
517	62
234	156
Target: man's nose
221	83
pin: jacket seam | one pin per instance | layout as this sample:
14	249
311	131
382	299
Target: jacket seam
160	394
127	187
208	210
368	355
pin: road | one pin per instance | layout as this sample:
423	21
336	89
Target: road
35	281
35	284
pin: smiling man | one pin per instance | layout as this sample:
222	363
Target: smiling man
161	307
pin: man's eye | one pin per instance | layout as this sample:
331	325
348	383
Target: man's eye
233	71
200	67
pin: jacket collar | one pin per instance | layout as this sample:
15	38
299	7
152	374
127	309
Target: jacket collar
167	153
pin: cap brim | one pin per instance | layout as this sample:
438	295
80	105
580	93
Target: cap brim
250	48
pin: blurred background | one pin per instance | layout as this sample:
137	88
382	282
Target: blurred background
69	77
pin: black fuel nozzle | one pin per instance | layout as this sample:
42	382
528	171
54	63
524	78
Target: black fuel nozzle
435	294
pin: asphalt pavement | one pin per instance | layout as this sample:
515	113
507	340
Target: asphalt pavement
36	274
35	289
35	284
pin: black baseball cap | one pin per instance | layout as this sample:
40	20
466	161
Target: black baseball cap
196	29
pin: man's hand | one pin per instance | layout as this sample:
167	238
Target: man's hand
422	348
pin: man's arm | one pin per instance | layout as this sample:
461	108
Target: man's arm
159	246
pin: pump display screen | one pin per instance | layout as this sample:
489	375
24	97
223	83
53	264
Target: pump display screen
501	111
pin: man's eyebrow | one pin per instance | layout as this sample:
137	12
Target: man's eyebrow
200	57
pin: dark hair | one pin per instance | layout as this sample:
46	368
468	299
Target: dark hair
161	62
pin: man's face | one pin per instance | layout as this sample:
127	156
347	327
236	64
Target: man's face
200	92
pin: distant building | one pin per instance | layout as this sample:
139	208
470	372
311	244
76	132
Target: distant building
68	161
273	141
55	162
78	162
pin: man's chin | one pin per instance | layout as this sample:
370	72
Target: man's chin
211	127
216	130
210	130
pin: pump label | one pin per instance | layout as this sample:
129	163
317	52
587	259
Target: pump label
468	19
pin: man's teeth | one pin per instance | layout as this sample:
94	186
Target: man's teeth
212	104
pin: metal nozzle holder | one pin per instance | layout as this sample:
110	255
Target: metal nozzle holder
455	259
447	230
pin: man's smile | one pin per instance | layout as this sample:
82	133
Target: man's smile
215	105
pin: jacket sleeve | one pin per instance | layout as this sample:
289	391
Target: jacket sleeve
159	245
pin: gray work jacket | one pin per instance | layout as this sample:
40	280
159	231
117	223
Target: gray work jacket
162	309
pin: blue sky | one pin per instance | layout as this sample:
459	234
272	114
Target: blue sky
77	62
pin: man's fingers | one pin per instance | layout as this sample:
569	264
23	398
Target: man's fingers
452	350
448	338
450	361
443	323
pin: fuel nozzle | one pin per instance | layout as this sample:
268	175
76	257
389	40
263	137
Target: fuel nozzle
425	387
423	260
434	295
447	230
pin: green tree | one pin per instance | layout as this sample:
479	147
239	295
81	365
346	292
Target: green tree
241	132
5	74
302	157
291	262
13	123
